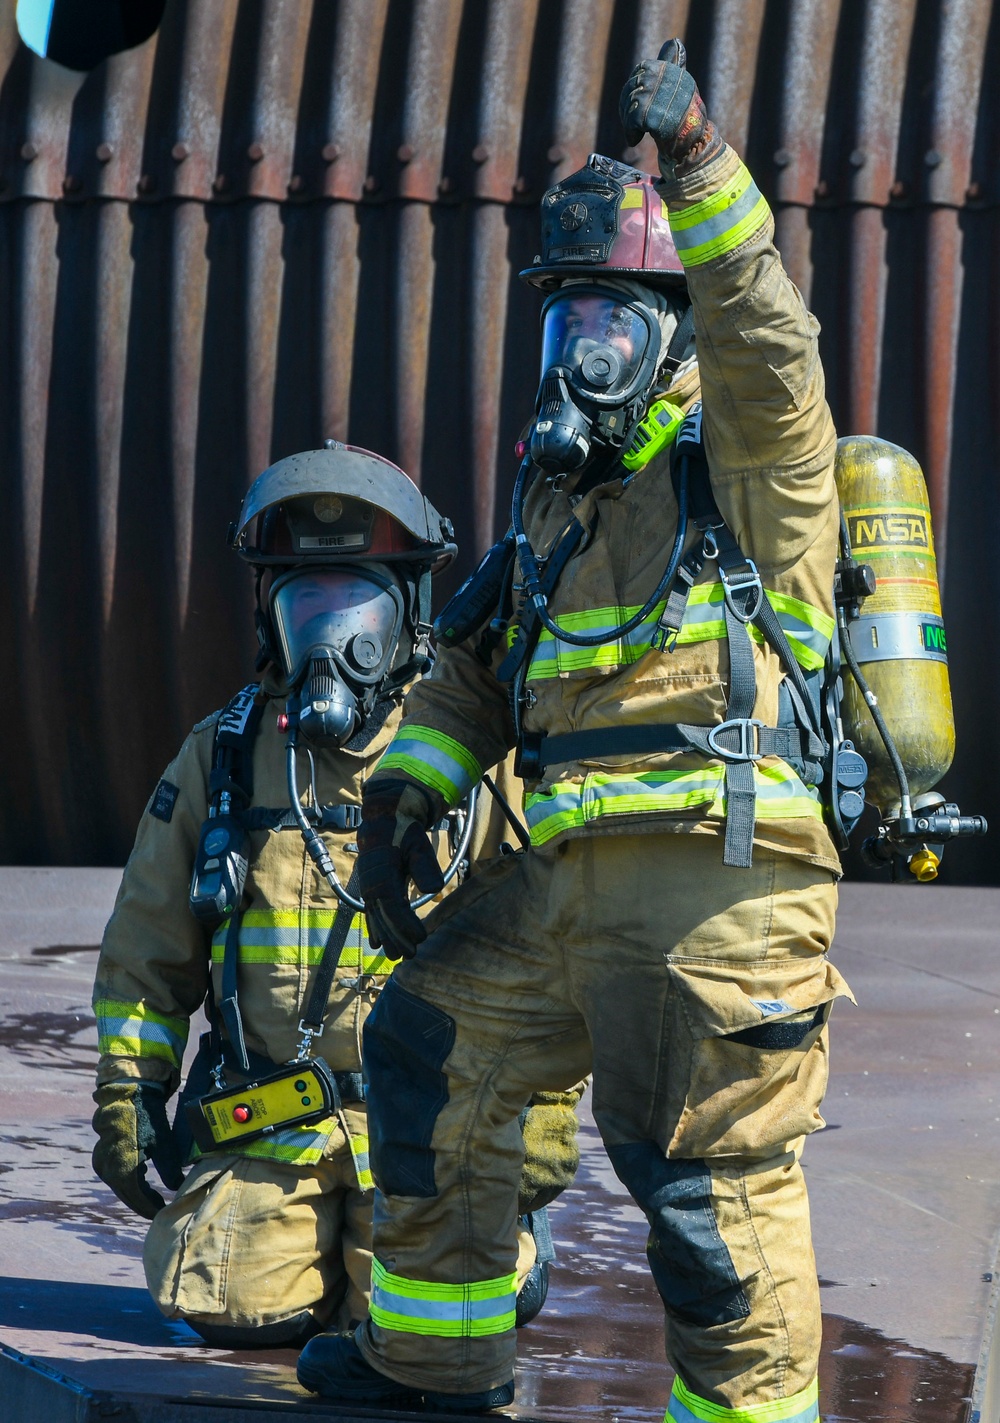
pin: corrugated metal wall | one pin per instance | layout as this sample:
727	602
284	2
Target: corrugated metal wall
282	220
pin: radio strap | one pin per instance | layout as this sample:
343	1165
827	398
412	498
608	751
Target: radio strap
311	1024
312	1020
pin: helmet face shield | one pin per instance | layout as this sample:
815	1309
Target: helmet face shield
351	615
606	346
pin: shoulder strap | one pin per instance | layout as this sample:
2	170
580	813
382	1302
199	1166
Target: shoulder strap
315	1012
529	628
235	733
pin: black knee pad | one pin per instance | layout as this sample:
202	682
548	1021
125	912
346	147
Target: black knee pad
689	1260
406	1042
290	1333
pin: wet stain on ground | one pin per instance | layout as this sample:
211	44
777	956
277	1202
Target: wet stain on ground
58	951
867	1378
65	1040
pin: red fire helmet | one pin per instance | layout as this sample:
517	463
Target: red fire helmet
606	219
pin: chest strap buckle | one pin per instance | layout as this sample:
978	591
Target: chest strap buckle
746	731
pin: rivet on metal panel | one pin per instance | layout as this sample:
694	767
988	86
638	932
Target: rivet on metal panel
555	154
71	183
898	189
330	153
782	158
296	184
405	153
858	158
480	153
371	184
220	183
146	184
932	158
104	152
255	153
179	152
29	152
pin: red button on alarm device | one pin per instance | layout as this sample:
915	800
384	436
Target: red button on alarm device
242	1113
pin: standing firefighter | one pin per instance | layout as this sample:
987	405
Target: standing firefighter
670	923
238	895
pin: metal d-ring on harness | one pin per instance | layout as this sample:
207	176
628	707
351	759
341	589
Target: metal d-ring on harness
740	740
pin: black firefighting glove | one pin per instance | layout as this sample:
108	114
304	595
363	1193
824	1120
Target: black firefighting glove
551	1154
132	1128
393	848
661	99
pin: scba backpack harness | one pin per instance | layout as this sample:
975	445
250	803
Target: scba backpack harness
304	1090
807	735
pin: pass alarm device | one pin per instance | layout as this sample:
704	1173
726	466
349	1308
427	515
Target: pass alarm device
298	1094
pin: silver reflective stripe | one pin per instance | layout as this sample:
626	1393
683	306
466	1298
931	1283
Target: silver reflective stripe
711	228
424	1308
884	637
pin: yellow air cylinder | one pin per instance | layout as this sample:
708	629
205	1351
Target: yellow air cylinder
899	640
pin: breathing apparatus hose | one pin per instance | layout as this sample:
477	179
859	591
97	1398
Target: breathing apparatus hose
320	855
531	573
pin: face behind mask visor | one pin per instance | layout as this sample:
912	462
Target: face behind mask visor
352	616
606	346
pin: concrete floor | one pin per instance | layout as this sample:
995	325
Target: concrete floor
904	1182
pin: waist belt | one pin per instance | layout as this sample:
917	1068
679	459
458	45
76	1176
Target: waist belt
733	742
329	817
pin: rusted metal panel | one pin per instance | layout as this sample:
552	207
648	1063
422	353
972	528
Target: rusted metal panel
278	221
729	79
808	63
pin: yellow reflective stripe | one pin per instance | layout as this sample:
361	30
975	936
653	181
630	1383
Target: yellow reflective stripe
568	805
718	202
286	937
685	1406
435	759
136	1030
362	1162
299	1146
807	628
297	938
720	222
472	1311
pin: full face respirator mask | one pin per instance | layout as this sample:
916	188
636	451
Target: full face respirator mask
600	355
336	631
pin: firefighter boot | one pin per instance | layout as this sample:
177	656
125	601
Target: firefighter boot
332	1365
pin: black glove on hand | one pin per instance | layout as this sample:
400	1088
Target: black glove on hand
661	98
132	1128
393	848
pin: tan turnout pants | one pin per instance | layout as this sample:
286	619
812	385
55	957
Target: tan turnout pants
249	1242
699	995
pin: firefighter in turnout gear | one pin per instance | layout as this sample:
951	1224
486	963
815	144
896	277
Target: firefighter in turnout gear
241	894
669	609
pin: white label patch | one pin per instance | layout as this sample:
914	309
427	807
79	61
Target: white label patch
769	1006
333	541
234	717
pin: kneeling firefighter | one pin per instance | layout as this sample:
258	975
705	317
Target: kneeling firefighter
241	894
651	636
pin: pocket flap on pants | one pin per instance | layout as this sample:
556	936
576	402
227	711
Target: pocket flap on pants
722	997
